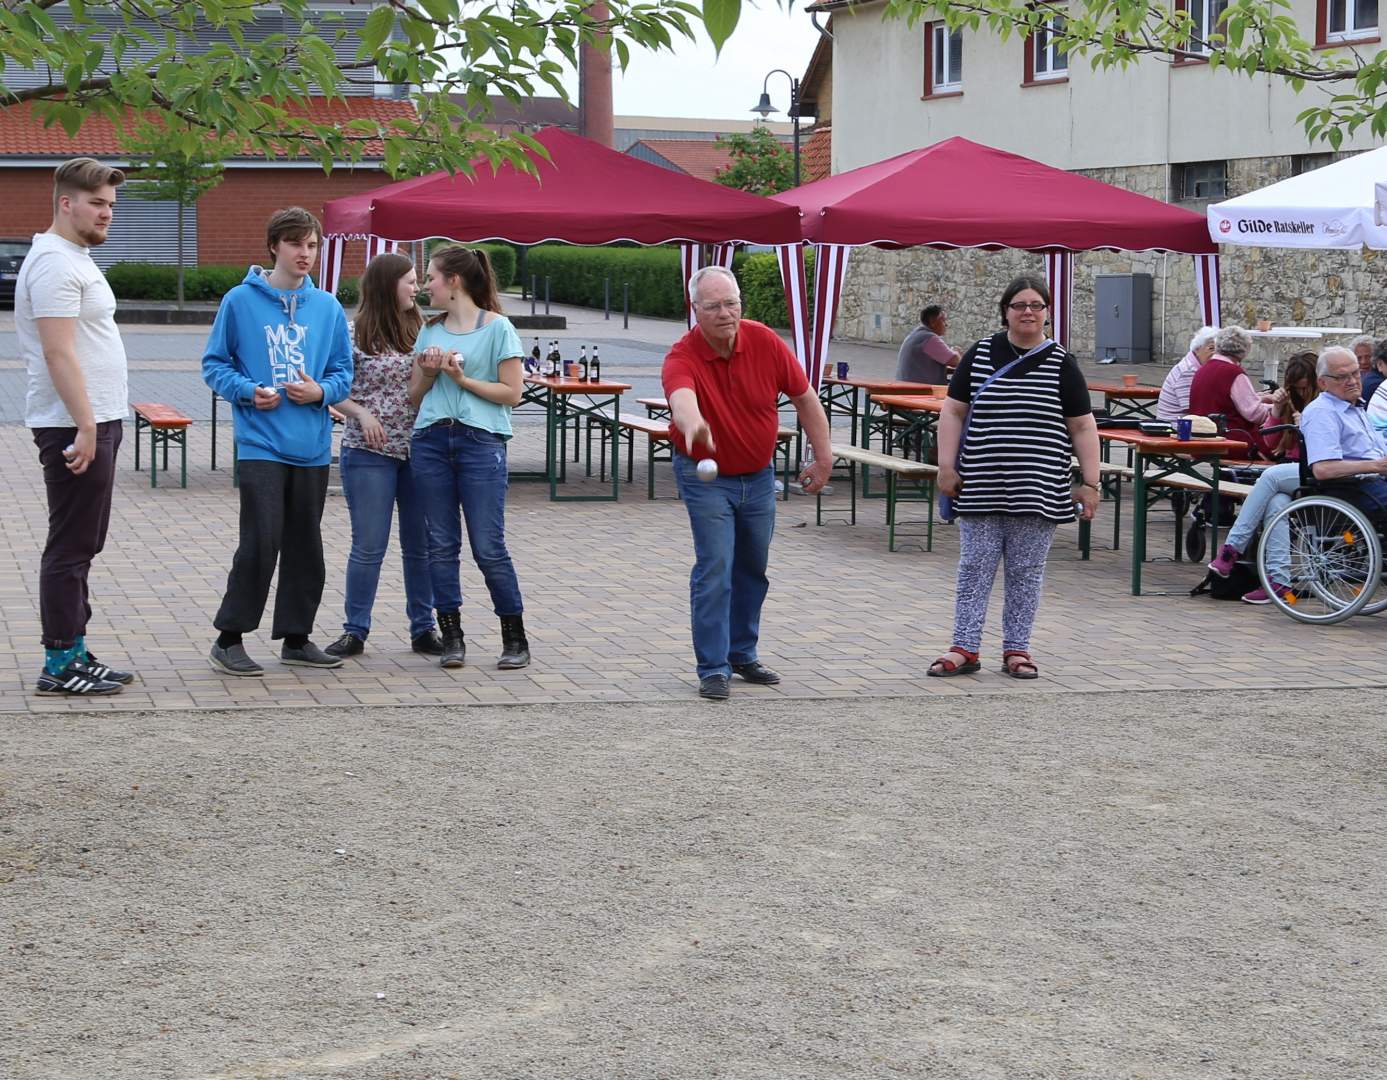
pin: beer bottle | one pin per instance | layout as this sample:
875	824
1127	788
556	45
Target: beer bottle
595	367
583	363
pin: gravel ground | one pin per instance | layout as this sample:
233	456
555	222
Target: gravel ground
1107	886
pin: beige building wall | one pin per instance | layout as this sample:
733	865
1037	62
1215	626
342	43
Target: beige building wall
1124	127
1149	113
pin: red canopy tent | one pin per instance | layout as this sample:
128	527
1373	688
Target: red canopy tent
961	194
584	193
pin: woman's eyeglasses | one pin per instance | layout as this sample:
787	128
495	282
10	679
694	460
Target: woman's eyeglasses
1027	305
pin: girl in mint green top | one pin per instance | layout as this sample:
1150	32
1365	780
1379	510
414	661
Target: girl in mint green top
482	349
467	376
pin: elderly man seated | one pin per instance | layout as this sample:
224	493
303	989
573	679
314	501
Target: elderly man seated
1340	445
1340	441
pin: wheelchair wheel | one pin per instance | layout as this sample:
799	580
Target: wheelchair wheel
1196	539
1336	560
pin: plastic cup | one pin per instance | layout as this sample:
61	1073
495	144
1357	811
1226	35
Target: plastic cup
1184	428
1129	380
842	369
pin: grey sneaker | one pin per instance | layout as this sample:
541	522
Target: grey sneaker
233	660
308	656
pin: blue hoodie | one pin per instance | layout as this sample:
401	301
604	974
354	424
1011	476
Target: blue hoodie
264	336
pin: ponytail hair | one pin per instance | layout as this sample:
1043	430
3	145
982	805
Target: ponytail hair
472	268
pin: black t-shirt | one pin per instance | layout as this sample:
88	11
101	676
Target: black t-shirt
1074	396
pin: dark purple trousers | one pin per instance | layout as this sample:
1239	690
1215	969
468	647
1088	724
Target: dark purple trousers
79	512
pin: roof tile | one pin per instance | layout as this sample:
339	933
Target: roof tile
22	133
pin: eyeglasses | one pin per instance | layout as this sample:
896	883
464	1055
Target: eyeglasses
711	306
1028	305
1346	377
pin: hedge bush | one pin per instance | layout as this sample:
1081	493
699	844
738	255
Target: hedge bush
503	259
577	274
155	281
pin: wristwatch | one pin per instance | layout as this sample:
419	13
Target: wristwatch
1095	487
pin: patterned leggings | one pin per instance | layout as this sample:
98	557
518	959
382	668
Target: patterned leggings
985	540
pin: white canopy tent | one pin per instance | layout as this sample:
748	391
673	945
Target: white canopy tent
1343	205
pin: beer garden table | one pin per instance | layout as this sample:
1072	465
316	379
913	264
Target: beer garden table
564	398
843	398
1164	456
1123	400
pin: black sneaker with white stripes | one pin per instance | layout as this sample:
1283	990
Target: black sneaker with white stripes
103	671
75	680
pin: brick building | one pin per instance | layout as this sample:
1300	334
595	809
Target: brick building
228	224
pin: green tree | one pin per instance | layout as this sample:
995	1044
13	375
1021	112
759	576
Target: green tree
760	163
1250	37
176	163
107	56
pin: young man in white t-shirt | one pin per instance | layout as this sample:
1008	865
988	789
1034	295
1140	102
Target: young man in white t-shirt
64	316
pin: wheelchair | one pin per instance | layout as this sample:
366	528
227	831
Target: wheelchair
1336	552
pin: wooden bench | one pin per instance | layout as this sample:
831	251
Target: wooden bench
166	425
920	473
655	407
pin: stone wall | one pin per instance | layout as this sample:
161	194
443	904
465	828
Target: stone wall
885	290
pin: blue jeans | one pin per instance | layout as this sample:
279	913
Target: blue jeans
1270	495
375	485
459	466
1371	498
732	519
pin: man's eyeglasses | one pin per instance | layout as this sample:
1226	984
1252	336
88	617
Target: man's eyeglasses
1028	305
1353	375
711	306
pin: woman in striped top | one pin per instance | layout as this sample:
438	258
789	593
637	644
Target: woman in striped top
1012	482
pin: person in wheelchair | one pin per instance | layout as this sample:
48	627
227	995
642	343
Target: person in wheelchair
1342	447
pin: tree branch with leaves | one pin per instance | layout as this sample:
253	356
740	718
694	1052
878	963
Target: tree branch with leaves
106	57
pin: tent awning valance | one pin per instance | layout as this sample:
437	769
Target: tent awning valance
958	193
584	194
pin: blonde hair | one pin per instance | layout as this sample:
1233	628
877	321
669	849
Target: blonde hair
83	174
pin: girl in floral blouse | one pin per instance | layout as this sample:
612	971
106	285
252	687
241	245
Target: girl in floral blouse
376	478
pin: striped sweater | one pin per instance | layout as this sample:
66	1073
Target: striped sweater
1017	451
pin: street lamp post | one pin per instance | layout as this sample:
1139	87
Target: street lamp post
765	108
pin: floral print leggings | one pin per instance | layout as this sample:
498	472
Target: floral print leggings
985	541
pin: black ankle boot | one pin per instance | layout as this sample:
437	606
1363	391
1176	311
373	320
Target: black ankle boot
454	648
515	647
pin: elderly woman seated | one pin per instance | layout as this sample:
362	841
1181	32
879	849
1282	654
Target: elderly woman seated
1222	386
1175	391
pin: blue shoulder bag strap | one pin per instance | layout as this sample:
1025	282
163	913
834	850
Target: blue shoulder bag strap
946	510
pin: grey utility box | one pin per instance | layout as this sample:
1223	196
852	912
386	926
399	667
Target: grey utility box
1122	318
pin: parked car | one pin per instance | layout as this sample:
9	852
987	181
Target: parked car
12	253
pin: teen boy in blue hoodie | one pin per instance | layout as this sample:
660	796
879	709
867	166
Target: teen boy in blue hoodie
281	353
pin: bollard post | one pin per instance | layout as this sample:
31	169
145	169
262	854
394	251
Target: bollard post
534	292
607	297
546	294
626	305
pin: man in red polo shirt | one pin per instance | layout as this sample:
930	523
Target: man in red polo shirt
723	380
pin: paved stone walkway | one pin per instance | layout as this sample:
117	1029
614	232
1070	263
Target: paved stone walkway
606	598
606	590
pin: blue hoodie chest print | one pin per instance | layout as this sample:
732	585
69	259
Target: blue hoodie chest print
271	337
